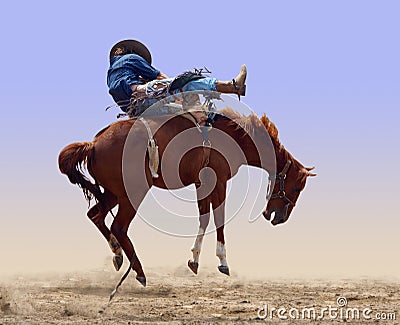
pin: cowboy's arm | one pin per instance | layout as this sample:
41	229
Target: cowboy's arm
143	68
160	76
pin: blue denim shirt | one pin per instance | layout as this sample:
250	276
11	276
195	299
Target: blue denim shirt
124	71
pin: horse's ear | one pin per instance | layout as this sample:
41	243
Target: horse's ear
307	171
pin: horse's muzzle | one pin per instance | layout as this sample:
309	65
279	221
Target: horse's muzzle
279	215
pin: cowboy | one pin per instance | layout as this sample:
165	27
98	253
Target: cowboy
130	72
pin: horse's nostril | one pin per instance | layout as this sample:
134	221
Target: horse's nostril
267	214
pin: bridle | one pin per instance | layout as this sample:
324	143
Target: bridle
281	193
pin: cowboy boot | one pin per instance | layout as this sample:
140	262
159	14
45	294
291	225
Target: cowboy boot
235	86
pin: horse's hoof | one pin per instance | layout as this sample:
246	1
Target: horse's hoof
142	280
223	269
194	266
117	261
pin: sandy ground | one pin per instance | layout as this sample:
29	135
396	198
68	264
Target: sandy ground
181	297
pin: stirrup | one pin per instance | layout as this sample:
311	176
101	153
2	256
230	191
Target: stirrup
240	91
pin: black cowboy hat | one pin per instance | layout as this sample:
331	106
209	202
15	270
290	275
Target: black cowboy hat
132	47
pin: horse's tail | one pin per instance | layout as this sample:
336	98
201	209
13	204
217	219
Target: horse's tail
73	160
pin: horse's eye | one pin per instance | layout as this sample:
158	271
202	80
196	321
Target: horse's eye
297	189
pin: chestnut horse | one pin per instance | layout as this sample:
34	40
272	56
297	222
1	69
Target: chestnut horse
118	161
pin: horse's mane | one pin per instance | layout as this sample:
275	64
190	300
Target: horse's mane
250	123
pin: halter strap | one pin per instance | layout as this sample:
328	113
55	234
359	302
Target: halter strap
286	168
281	178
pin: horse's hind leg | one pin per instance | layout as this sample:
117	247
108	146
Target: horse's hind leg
204	211
97	215
119	229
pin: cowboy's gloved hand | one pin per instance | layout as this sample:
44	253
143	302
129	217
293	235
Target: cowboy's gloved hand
162	76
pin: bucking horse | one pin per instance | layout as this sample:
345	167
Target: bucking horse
122	169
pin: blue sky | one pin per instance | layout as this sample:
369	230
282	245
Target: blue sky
326	72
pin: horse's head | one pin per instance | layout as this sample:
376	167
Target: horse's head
289	182
290	179
290	176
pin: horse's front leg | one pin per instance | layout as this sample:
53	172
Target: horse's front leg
204	211
218	203
219	219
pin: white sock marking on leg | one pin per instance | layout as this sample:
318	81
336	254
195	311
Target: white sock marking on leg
197	245
221	253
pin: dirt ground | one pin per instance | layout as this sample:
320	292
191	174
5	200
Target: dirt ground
181	297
